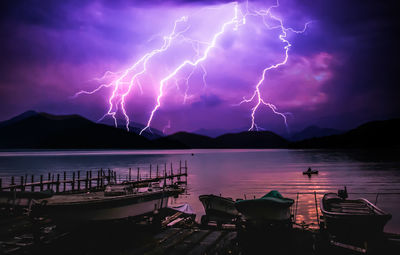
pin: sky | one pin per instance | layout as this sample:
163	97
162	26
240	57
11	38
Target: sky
340	72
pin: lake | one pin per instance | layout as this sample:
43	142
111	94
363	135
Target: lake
240	173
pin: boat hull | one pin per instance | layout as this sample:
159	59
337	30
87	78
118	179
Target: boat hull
218	206
355	221
263	210
109	208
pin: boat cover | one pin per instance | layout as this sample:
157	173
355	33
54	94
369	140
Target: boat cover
185	208
275	196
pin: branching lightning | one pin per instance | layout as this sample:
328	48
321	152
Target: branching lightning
123	82
257	94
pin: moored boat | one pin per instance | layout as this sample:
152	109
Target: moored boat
218	208
352	217
271	207
114	203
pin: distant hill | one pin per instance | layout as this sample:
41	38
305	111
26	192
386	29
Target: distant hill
17	118
251	139
135	127
217	132
375	134
185	140
261	139
32	130
314	132
42	130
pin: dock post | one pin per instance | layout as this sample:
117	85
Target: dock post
165	170
79	180
73	181
65	179
138	174
22	188
12	183
98	179
115	177
150	172
41	182
48	180
316	206
295	210
172	175
90	179
130	175
58	184
86	180
180	167
157	172
32	185
165	175
1	183
102	177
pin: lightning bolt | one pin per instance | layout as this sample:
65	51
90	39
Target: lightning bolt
118	84
124	81
212	44
257	93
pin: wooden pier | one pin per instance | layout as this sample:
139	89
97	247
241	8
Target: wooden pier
82	181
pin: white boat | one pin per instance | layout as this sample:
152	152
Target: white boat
116	202
218	208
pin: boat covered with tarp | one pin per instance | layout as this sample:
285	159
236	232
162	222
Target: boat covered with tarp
270	207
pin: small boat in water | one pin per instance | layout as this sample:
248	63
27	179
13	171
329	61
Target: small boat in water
218	208
271	207
310	172
352	217
116	202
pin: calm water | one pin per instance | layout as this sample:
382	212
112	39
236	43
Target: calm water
235	173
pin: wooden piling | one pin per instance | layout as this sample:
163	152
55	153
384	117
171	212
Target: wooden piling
316	206
98	179
73	181
150	171
130	176
12	183
65	182
22	187
157	171
41	182
48	180
86	180
58	184
32	180
1	184
138	174
79	180
90	179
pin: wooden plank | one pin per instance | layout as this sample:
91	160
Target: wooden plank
225	245
190	242
206	243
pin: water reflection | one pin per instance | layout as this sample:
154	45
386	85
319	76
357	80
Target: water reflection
239	173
